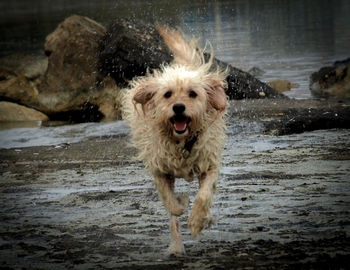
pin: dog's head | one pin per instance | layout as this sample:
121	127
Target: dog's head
185	96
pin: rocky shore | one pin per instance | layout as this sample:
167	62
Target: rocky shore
86	65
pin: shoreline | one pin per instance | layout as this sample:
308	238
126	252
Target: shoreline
282	202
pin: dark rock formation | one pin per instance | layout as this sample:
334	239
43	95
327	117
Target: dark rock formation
78	79
332	81
301	120
291	116
130	48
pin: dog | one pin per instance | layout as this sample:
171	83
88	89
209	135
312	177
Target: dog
176	115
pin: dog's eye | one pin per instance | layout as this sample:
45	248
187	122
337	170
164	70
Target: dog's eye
192	94
168	94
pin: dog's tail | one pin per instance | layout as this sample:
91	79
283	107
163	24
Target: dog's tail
185	53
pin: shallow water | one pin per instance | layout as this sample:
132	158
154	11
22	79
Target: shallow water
286	39
66	134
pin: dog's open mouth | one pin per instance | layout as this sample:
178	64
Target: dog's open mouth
180	123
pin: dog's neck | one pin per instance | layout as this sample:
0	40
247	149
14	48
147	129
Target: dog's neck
189	143
184	145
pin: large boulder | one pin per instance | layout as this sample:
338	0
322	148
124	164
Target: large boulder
20	76
72	85
130	48
13	112
332	81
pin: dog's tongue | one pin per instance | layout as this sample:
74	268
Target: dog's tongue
180	125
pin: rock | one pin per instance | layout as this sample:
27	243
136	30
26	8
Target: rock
301	120
108	99
73	84
282	85
14	112
332	81
18	89
20	75
292	116
256	72
242	85
30	66
72	70
130	48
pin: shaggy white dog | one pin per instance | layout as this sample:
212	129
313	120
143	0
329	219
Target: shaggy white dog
176	119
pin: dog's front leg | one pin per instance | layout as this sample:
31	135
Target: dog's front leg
176	205
176	245
200	214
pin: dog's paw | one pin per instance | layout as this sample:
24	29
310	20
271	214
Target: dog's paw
198	220
176	249
183	200
197	224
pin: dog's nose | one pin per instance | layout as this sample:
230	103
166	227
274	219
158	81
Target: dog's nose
179	108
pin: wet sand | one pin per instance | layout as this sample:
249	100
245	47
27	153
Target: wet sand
282	203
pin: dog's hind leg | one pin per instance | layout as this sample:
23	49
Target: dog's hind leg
200	214
176	245
175	204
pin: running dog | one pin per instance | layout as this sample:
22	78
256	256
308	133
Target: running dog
176	118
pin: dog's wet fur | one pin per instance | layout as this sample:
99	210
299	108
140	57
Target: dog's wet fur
176	118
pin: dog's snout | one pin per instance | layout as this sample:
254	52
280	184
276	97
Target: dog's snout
179	108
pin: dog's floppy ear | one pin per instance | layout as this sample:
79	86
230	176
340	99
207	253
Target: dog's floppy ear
217	98
143	94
